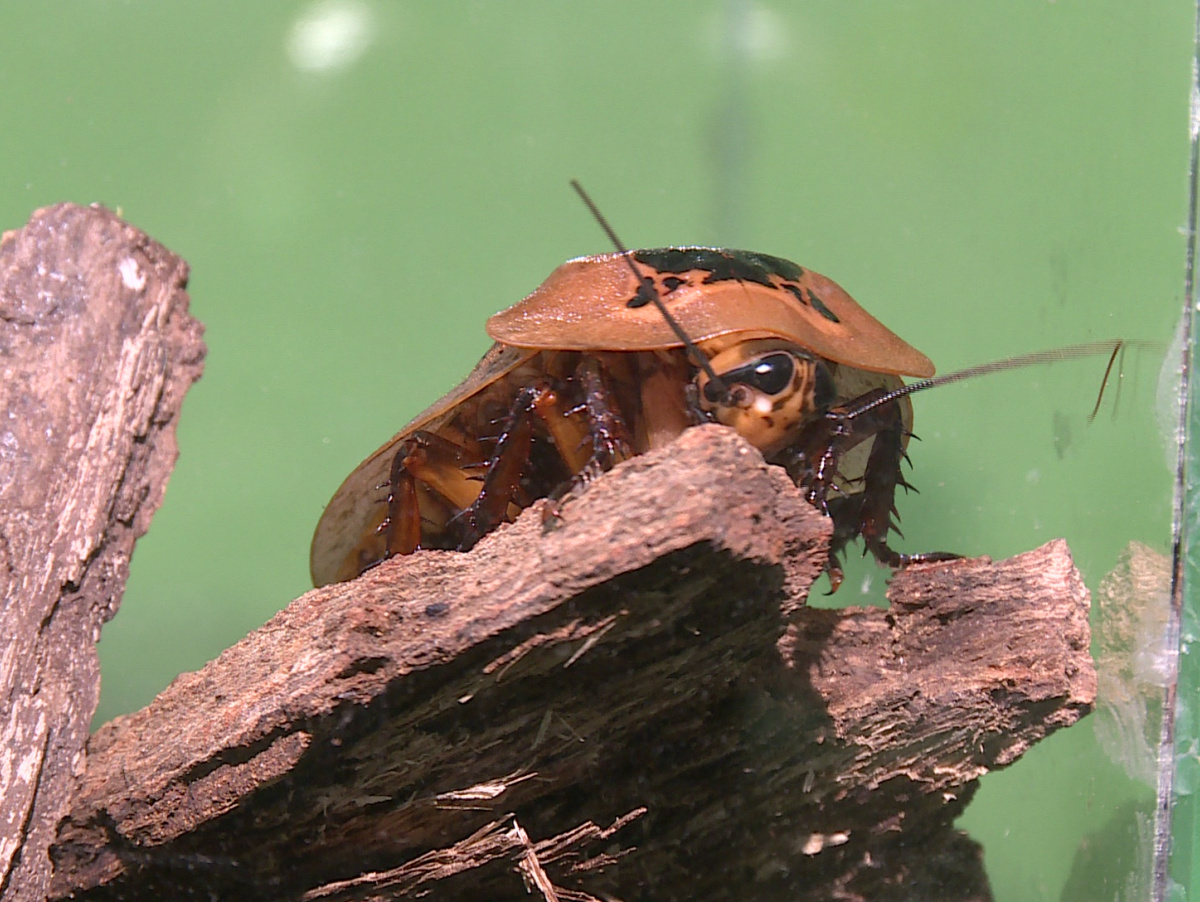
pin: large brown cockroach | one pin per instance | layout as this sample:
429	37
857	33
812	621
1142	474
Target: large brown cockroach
618	353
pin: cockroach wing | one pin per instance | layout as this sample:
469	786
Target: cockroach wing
348	538
584	306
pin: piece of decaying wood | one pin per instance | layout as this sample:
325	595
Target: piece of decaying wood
97	350
637	658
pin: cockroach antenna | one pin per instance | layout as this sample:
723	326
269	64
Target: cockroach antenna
1118	349
1072	352
648	294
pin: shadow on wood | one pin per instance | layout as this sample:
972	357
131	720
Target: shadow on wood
623	698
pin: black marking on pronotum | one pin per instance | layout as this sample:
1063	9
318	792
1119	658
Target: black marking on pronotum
794	291
820	307
1071	352
734	265
647	293
722	264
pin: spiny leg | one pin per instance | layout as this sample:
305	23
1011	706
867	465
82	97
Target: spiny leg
591	437
586	445
609	433
544	403
402	528
881	478
436	462
880	481
509	463
813	464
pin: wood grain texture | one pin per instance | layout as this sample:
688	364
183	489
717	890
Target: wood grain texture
97	350
623	696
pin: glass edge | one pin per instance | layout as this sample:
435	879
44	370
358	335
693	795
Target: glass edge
1175	858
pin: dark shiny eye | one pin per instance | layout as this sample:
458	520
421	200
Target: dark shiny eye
770	374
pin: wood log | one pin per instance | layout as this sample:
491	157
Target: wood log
620	696
98	349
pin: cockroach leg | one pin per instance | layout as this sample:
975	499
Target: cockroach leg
539	410
509	462
439	464
812	462
812	459
691	402
609	434
568	430
402	527
880	479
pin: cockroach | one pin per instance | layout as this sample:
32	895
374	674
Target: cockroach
618	353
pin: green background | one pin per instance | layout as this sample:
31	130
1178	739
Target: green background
357	184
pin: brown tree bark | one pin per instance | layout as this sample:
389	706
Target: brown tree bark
622	698
97	350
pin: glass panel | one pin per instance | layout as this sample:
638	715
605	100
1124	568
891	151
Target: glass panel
1180	773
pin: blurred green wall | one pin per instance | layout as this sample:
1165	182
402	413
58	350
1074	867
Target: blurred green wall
357	184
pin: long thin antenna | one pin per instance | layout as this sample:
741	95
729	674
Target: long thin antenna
648	294
1119	348
1071	352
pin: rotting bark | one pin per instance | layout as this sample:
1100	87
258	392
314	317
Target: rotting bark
97	351
623	697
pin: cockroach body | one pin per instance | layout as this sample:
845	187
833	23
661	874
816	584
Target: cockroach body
585	373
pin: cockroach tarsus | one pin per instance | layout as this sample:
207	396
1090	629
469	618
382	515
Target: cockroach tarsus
618	353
